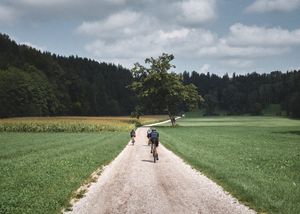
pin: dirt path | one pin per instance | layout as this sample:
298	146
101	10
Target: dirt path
132	183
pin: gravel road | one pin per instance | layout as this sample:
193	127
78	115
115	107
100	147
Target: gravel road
132	183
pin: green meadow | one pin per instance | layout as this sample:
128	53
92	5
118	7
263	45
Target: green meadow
40	171
257	159
44	160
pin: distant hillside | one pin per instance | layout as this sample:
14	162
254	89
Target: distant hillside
33	83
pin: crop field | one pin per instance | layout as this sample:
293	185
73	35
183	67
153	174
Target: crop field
75	124
257	159
41	165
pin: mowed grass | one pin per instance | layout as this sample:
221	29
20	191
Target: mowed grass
75	124
40	167
39	171
257	159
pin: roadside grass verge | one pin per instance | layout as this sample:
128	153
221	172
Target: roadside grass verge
41	171
257	159
75	124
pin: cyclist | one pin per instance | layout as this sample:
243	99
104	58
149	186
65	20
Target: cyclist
148	135
132	135
154	137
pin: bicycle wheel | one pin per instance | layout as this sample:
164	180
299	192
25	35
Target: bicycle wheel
154	153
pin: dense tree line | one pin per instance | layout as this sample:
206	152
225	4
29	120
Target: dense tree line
33	83
249	93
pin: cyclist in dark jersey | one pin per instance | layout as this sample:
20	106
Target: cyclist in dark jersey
132	135
154	137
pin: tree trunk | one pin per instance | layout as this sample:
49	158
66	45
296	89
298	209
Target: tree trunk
173	120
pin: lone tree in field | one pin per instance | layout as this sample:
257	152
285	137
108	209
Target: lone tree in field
159	90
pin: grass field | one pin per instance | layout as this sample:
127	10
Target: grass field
39	172
257	159
75	124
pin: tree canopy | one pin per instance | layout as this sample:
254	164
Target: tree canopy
35	83
250	93
161	91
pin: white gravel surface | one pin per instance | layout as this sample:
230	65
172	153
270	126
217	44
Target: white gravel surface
132	183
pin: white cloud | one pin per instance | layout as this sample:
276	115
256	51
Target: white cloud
237	63
41	48
253	35
127	31
125	48
197	11
116	25
185	39
246	42
7	15
175	34
129	34
273	5
116	2
292	68
182	42
124	35
222	49
187	12
41	10
205	68
43	3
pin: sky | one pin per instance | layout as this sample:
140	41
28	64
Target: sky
216	36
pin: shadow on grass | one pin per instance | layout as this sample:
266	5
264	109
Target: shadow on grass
288	132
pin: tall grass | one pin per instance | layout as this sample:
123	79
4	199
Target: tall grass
74	124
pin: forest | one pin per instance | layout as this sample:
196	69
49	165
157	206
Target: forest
248	94
35	83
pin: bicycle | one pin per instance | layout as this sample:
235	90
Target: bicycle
154	152
151	146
